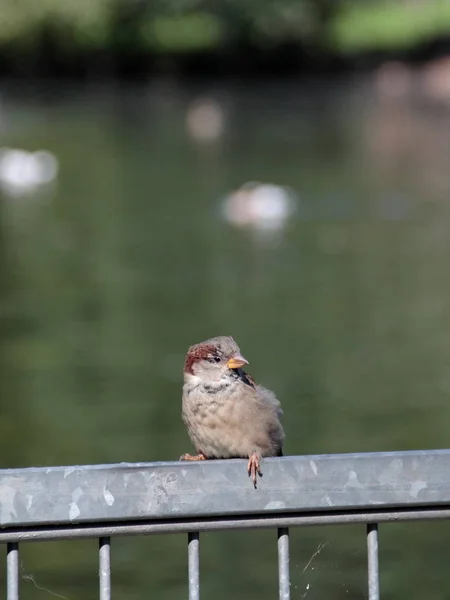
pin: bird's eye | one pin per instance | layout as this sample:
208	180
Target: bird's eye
216	359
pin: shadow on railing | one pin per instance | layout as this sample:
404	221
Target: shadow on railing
103	501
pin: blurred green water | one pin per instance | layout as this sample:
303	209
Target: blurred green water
108	277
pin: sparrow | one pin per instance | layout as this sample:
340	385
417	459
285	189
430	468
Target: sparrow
226	413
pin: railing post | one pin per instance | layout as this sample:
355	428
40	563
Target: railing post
194	565
12	571
104	571
284	584
372	561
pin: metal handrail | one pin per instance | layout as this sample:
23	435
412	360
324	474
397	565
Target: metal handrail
104	501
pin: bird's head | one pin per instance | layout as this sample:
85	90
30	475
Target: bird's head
212	360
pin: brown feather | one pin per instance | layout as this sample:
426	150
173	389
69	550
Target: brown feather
196	353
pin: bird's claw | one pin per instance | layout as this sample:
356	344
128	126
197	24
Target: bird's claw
253	468
199	456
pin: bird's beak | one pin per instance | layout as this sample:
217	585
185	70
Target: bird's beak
236	362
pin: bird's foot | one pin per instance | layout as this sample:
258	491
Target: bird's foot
199	456
253	467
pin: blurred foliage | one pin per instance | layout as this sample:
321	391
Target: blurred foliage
182	33
84	23
386	25
121	27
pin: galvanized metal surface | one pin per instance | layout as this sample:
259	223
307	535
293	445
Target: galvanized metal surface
12	572
104	568
67	532
284	580
372	561
194	565
166	491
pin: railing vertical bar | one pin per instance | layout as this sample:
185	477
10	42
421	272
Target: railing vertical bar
12	571
194	565
372	560
284	584
104	571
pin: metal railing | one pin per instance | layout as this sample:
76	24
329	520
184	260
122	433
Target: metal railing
103	501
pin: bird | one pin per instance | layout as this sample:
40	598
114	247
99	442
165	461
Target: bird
226	413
